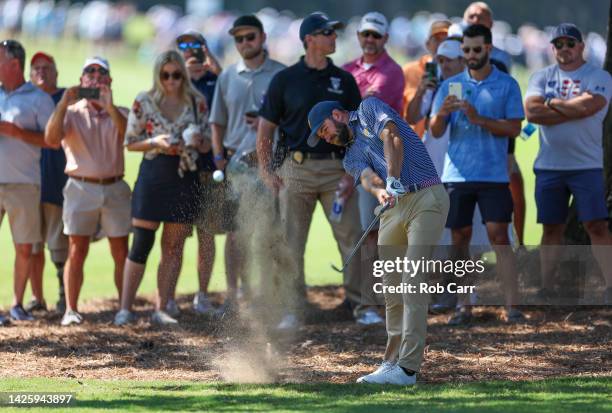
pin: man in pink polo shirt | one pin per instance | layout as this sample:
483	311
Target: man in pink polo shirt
90	129
377	74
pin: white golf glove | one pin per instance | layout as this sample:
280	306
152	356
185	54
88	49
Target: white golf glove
395	187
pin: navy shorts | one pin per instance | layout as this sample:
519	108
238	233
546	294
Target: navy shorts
494	200
553	190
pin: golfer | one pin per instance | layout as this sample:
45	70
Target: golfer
381	147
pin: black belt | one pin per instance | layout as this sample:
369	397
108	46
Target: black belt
299	156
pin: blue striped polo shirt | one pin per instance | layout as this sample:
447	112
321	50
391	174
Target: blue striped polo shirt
367	122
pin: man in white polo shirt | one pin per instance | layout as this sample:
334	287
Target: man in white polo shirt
24	110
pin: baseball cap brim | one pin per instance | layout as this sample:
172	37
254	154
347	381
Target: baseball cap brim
191	33
42	55
371	27
313	138
565	36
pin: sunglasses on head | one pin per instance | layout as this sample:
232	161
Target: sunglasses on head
249	37
559	44
91	70
374	35
189	45
325	32
174	75
476	49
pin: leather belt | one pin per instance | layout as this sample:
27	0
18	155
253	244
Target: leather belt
299	156
99	181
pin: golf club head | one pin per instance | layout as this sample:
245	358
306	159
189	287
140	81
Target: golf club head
336	268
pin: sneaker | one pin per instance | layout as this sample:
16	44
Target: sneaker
514	315
227	310
369	317
172	308
386	365
4	321
202	305
124	317
394	375
460	317
288	322
163	318
71	317
17	313
35	305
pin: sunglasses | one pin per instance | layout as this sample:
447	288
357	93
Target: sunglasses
326	32
189	45
477	49
91	70
559	44
374	35
174	75
249	37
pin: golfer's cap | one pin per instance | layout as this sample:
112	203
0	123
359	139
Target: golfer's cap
439	27
96	60
317	116
42	55
374	22
450	49
455	31
566	30
247	21
191	33
317	21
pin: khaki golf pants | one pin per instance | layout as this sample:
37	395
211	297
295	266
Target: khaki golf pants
414	225
304	185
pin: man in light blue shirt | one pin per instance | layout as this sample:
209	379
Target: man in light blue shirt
25	110
487	113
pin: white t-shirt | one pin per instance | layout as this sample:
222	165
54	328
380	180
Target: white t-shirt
575	144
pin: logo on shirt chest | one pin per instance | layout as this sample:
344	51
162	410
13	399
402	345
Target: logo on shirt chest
366	132
569	88
335	85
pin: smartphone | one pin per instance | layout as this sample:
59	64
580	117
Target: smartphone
431	68
454	88
198	53
89	93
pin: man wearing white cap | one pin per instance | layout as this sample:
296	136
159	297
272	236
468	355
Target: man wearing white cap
377	74
90	128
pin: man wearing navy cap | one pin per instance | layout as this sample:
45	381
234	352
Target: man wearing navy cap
308	174
569	100
381	147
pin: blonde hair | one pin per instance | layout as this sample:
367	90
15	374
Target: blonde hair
186	92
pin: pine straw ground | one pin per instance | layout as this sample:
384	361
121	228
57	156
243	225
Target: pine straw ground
555	342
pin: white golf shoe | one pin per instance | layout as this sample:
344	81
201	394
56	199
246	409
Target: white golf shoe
385	365
394	375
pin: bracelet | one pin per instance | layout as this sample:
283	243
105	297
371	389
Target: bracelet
218	157
547	101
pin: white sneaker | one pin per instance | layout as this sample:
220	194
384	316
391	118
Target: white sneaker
124	317
202	305
369	317
385	365
163	318
394	375
172	309
288	322
71	317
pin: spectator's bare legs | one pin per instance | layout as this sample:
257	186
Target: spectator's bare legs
172	244
206	258
600	242
23	252
37	266
461	238
517	189
506	261
119	251
234	265
78	246
552	239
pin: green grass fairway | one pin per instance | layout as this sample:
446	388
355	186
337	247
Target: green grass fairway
554	396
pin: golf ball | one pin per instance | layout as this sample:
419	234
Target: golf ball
218	176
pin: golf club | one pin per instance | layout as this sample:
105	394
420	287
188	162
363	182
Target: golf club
377	213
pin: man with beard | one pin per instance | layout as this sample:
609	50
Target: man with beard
488	112
377	74
238	95
382	147
307	174
569	101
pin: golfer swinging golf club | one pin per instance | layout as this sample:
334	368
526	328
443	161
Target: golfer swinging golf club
381	147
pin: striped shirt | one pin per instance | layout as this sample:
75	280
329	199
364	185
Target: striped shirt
366	151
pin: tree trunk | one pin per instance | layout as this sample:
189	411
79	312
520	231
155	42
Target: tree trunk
575	233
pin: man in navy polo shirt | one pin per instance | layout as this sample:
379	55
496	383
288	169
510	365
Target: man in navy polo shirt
488	112
309	174
569	100
43	74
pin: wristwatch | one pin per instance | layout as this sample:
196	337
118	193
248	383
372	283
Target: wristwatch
218	157
547	100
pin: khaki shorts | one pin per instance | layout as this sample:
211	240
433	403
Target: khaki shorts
53	233
89	207
21	203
